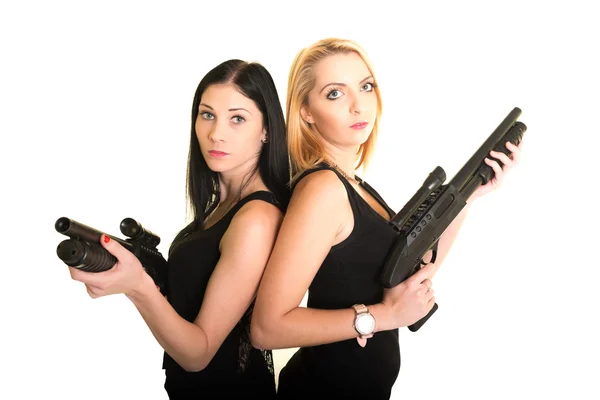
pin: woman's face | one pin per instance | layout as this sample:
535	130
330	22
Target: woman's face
342	105
229	128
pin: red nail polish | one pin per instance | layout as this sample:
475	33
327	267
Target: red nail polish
106	239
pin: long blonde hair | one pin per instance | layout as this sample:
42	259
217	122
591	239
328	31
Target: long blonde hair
304	147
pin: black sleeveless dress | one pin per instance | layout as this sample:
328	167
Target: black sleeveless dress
350	274
237	368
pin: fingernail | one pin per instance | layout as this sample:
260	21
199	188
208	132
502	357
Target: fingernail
106	239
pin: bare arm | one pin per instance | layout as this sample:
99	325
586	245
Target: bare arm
245	249
447	240
314	219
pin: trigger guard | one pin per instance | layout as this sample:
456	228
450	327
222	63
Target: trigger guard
433	256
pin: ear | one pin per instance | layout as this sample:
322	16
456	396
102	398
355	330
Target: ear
263	137
306	115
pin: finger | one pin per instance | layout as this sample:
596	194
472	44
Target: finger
115	248
362	342
428	283
92	291
423	273
428	256
96	279
81	276
96	289
485	189
520	146
495	166
430	295
504	159
516	151
425	288
512	147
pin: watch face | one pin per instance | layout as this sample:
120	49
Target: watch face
365	324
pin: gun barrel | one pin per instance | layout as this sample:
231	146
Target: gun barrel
472	165
77	230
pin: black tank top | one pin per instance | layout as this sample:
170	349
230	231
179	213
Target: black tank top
237	367
350	274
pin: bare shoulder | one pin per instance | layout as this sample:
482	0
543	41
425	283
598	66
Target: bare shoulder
256	217
322	188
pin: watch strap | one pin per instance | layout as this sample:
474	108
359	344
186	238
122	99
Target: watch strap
360	309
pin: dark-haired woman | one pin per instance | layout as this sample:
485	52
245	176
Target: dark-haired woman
237	180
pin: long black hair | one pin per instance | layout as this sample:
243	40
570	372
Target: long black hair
255	82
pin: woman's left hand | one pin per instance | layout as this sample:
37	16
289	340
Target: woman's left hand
126	276
499	172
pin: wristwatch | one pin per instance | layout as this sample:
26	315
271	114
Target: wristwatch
364	321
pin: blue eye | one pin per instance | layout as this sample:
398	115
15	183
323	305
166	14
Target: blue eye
334	94
237	119
207	115
368	87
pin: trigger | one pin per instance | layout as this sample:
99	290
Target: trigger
434	249
433	255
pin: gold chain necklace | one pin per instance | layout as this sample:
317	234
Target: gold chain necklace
341	171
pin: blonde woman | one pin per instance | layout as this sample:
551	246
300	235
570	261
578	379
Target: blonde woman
334	239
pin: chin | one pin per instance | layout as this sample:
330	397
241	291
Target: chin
217	165
360	138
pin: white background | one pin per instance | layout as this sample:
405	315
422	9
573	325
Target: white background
95	100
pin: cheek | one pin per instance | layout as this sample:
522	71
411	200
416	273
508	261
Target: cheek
247	140
200	136
328	116
372	103
200	128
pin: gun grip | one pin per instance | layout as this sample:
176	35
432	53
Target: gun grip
415	327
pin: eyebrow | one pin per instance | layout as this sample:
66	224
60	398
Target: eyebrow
231	109
343	84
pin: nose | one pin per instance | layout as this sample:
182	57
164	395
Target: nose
216	133
356	105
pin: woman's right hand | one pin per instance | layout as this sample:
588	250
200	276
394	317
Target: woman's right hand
412	299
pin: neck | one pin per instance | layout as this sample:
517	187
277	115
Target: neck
345	159
236	183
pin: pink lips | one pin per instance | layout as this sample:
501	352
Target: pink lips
216	153
359	125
